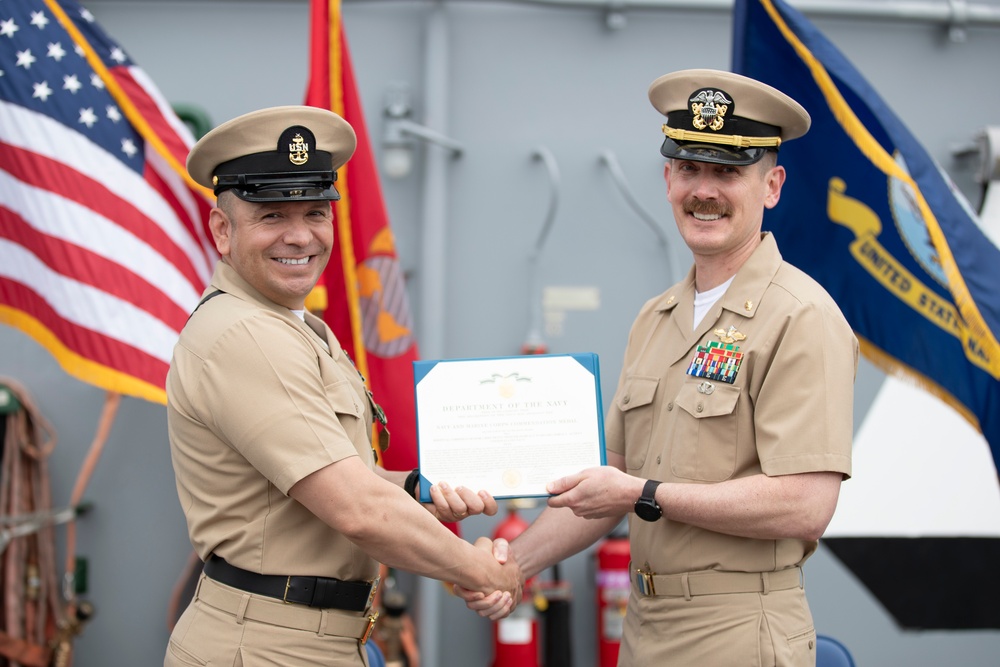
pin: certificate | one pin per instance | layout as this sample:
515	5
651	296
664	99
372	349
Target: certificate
508	425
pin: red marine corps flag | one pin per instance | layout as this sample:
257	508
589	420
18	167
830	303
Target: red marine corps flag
365	303
363	295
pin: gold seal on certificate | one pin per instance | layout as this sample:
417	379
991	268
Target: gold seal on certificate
511	478
509	425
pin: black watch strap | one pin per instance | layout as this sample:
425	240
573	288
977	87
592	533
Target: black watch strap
410	485
649	490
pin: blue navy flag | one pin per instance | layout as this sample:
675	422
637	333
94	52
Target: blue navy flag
870	215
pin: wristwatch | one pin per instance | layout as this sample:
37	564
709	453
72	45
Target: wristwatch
410	485
646	507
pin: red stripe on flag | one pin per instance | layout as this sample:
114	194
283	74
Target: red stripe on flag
84	342
91	269
44	173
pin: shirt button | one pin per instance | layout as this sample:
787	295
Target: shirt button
700	408
626	399
657	459
670	406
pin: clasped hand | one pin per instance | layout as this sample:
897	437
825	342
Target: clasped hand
595	493
454	504
502	601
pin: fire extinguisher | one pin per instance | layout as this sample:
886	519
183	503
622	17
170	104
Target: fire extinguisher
516	637
612	595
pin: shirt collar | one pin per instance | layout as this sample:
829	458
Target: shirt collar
745	292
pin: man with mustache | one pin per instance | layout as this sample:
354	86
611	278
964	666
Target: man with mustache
730	431
271	426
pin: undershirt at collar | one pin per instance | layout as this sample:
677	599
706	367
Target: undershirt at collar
703	301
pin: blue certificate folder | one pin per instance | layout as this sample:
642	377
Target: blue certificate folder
505	424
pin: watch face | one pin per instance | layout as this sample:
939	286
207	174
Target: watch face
647	510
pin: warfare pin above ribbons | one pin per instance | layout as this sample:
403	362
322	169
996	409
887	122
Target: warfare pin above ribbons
731	336
718	360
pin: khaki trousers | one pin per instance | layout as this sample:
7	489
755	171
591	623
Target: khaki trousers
227	627
773	629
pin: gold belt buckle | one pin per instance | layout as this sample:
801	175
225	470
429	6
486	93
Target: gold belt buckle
369	629
645	583
288	583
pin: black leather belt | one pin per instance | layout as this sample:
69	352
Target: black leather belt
319	592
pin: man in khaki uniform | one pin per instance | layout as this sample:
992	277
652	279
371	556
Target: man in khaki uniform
730	432
270	425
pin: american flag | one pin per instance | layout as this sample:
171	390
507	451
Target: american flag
103	244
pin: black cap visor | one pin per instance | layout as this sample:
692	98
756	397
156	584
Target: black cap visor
286	187
714	153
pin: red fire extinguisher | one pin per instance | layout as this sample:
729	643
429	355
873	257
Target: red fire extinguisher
612	596
516	638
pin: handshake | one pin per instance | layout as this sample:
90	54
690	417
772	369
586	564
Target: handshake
492	583
582	508
499	598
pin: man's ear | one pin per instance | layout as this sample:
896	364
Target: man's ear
666	177
775	179
221	227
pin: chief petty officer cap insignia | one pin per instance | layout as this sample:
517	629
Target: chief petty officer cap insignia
724	118
288	153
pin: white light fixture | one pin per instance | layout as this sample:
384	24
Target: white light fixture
400	132
397	160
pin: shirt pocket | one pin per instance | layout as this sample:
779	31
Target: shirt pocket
344	400
703	446
635	400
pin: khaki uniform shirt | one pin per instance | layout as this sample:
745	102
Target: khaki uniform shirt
788	411
255	403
